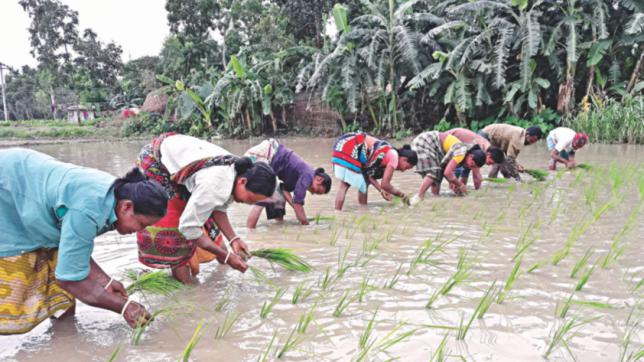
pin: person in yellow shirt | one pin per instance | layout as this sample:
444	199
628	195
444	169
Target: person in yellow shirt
439	154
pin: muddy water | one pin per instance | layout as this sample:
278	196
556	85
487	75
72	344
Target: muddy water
377	246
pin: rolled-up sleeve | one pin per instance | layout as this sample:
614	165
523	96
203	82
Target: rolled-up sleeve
210	191
77	235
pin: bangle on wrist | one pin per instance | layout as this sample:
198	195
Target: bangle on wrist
227	256
125	307
109	283
230	242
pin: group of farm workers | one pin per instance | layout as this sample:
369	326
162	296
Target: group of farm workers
176	198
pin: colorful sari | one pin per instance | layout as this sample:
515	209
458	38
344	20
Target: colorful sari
28	291
162	245
354	161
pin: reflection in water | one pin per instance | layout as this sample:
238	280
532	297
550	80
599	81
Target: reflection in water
381	244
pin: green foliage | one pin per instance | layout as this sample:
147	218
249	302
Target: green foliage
155	282
612	121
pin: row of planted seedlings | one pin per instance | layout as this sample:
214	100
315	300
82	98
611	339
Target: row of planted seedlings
329	291
593	206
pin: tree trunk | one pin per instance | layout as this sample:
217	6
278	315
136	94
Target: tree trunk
284	116
54	110
565	95
636	73
248	123
591	79
274	123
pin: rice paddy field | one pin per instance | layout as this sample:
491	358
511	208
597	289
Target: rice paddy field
531	271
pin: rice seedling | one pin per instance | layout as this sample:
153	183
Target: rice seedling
487	300
584	278
497	180
155	282
224	301
624	355
334	235
365	337
561	310
342	265
597	305
305	320
196	336
114	354
581	263
226	325
512	277
319	218
301	293
294	339
441	353
538	174
284	258
564	332
463	270
584	166
267	351
343	304
326	280
616	250
267	306
260	276
389	340
389	284
364	289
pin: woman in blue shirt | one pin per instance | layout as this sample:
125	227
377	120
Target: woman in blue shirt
50	213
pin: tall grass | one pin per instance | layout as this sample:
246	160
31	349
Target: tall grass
614	121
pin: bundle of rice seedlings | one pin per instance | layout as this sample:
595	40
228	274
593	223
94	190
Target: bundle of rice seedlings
584	166
284	258
538	174
156	282
497	180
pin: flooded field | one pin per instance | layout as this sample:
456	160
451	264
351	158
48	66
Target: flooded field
512	272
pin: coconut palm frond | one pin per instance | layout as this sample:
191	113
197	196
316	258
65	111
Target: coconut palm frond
367	19
427	18
462	93
456	53
474	47
482	95
525	69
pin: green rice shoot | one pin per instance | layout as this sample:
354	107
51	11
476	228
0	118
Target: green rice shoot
154	282
284	258
538	174
497	180
584	166
196	336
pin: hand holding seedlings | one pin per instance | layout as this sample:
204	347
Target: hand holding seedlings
234	260
135	314
385	195
240	248
116	287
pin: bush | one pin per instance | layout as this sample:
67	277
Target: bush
612	121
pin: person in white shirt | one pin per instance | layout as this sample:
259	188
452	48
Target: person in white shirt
562	143
202	179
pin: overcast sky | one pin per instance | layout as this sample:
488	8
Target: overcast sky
138	26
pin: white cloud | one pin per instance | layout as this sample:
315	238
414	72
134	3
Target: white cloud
138	26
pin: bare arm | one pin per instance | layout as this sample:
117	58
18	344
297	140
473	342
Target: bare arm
91	291
477	178
239	246
386	182
448	173
234	260
555	155
300	214
424	186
